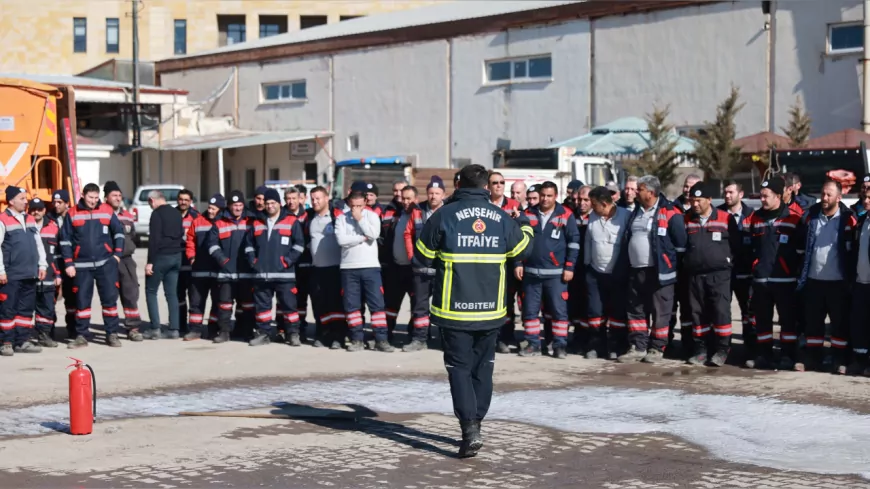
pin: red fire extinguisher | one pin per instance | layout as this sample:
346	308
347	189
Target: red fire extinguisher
82	399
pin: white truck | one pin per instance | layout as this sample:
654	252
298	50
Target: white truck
559	165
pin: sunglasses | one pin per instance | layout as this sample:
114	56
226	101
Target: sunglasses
500	182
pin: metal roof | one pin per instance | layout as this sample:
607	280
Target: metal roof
434	14
626	136
234	139
87	82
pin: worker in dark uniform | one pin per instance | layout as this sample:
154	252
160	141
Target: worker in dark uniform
184	204
294	201
203	270
792	195
498	198
681	288
775	253
402	278
741	270
533	198
858	208
46	289
128	279
60	202
92	243
859	317
827	275
22	266
577	288
258	204
277	244
711	235
569	202
226	244
469	243
548	270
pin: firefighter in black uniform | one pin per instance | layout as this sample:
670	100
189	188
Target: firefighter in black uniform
468	243
741	270
711	236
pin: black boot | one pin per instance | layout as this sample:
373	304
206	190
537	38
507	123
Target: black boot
471	439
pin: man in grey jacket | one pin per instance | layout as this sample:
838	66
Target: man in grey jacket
357	233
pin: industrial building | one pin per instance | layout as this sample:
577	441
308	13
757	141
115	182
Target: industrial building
451	83
73	36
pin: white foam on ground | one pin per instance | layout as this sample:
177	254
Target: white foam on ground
751	430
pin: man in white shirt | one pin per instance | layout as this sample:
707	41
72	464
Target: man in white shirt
357	233
605	277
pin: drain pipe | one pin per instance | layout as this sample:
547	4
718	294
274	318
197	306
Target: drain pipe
865	121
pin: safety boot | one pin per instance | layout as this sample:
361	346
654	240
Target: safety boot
591	355
45	339
653	356
172	334
786	363
193	336
294	340
502	347
530	351
28	347
134	335
859	363
113	340
560	353
356	346
335	345
151	334
472	442
6	350
415	345
260	340
633	355
384	346
698	359
719	358
318	344
222	337
79	342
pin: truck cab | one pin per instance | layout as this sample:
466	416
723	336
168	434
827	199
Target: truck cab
559	165
381	171
813	166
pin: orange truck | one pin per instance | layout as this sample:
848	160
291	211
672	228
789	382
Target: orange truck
32	142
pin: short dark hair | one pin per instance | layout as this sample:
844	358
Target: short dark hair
791	178
186	192
473	176
549	184
492	174
835	183
735	183
356	194
411	188
456	176
601	194
320	189
91	187
303	189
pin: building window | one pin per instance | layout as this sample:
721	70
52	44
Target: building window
519	69
311	172
180	36
286	91
306	21
272	25
845	38
231	29
250	182
112	35
274	174
353	142
80	35
342	18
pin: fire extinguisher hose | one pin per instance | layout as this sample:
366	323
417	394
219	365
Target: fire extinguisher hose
94	386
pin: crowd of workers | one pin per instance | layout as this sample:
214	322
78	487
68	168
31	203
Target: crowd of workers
615	265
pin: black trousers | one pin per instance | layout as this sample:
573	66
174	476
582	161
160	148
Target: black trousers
860	319
681	299
710	306
766	296
741	288
200	287
183	291
240	291
69	303
401	280
303	290
577	307
328	306
649	309
469	357
45	315
507	332
826	298
129	281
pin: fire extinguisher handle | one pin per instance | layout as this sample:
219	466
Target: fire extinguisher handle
77	364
